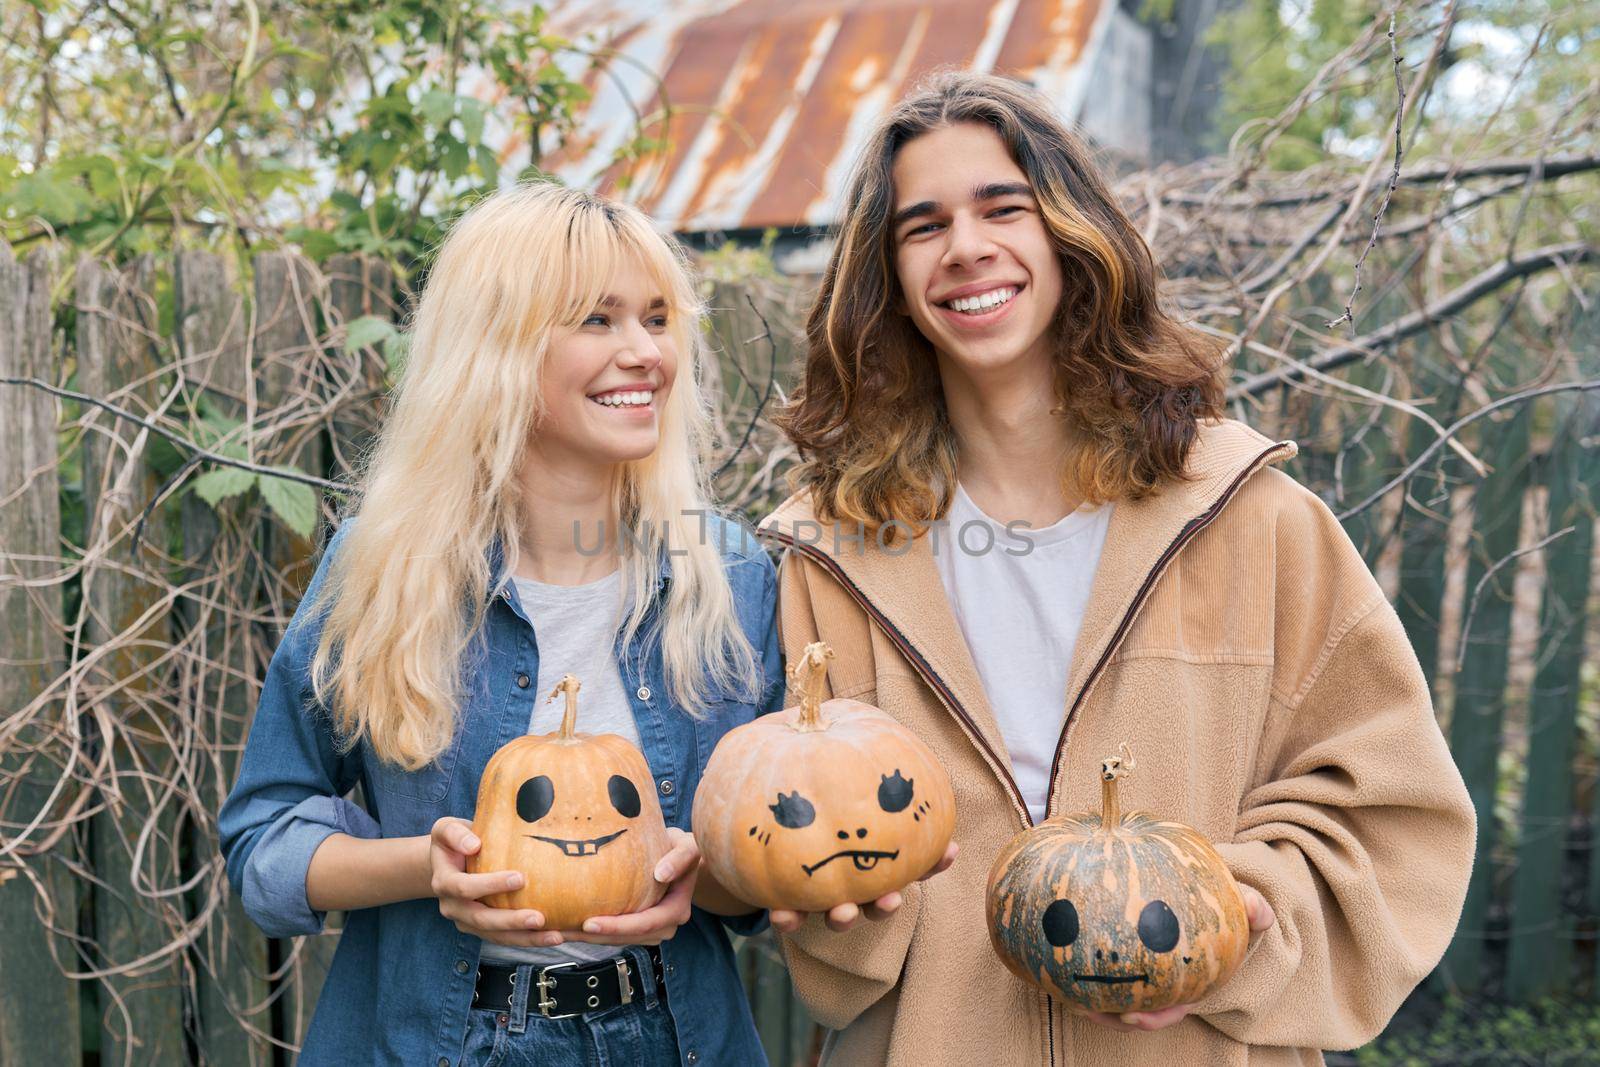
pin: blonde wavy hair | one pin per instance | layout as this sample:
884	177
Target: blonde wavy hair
410	587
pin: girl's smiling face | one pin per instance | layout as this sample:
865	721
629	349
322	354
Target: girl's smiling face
977	269
606	381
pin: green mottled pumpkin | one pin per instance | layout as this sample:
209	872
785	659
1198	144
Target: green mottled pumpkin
1114	912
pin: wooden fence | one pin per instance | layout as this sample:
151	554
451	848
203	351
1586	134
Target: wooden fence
128	672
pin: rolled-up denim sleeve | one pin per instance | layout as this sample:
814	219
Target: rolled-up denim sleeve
290	793
272	879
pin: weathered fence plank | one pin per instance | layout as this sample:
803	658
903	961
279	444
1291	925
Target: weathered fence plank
230	955
135	838
358	286
1424	534
1362	465
1540	952
39	1017
1479	710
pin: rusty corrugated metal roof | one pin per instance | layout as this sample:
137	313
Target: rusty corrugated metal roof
770	99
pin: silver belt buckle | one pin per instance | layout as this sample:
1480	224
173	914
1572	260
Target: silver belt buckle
622	980
545	984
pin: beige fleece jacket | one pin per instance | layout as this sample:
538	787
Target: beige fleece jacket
1238	641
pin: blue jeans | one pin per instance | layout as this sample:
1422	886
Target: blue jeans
640	1034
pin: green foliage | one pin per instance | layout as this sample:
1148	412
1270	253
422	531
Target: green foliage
293	502
1547	1033
216	486
370	331
1273	53
1509	60
731	263
341	125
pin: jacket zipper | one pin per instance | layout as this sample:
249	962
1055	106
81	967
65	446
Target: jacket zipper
1193	527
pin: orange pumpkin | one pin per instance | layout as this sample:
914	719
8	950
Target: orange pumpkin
578	816
1114	912
828	803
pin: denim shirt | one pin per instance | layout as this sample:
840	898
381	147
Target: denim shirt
401	983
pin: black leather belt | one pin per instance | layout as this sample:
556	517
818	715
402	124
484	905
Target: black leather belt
563	990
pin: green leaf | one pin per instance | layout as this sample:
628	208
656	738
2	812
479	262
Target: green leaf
488	165
215	486
456	160
102	175
294	502
381	157
368	331
472	114
318	244
217	431
51	195
437	106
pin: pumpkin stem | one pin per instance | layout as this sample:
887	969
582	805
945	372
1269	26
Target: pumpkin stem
569	718
809	674
1111	769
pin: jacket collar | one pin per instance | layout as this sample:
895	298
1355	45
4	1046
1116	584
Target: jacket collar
904	586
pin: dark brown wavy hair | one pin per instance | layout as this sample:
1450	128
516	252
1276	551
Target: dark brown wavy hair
869	417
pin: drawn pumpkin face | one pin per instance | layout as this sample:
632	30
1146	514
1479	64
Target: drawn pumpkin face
578	816
827	803
1116	913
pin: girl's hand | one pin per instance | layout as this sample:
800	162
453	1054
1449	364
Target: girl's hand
451	842
677	870
1260	916
842	917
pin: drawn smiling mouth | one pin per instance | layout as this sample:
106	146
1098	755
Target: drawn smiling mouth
1110	979
864	859
580	848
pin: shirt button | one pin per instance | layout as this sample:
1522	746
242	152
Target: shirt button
671	967
666	787
443	1062
644	692
523	681
691	1057
461	966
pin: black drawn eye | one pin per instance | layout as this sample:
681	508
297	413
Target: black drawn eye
534	798
624	796
1060	923
894	793
793	811
1158	927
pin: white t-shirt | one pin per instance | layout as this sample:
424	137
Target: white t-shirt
1019	597
575	627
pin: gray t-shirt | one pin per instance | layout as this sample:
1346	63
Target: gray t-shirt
576	628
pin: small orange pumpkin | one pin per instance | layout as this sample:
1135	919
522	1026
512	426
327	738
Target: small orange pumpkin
1114	912
828	803
578	816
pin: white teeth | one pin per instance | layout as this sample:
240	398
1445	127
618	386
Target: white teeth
631	399
982	301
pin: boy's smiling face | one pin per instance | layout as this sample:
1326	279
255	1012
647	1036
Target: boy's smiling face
977	269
